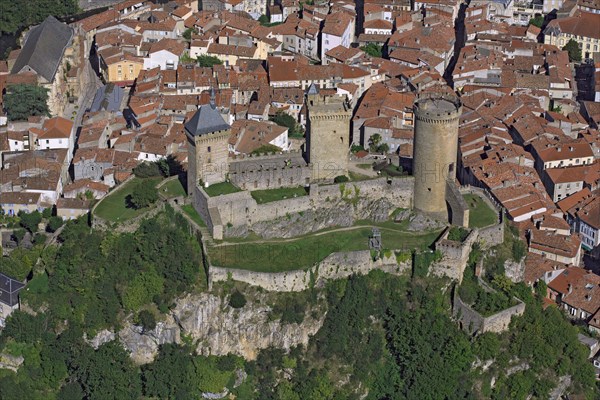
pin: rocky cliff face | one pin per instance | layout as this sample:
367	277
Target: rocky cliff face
217	329
340	213
143	346
220	329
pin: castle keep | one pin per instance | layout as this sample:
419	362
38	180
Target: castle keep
208	135
435	152
328	139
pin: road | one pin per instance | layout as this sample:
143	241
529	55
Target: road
87	93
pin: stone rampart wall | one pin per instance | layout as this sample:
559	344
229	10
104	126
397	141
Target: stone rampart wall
474	323
241	210
492	235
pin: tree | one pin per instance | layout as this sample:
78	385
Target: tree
162	380
283	119
148	169
187	34
374	142
22	101
18	234
142	289
30	221
264	20
147	320
372	49
237	300
208	61
144	194
572	47
519	250
341	179
17	15
538	21
266	148
54	224
47	212
108	373
383	148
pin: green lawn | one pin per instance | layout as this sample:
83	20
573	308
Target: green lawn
358	177
393	170
480	214
114	207
193	214
365	166
303	252
218	189
173	188
269	195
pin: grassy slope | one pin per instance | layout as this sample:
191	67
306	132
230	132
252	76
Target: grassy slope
193	214
114	207
301	253
173	188
481	215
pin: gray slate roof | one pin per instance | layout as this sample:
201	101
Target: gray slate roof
312	89
44	48
108	98
9	290
206	120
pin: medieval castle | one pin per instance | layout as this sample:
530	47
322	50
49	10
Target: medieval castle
431	191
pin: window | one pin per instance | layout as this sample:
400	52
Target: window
47	141
208	149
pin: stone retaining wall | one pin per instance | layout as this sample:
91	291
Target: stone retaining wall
335	266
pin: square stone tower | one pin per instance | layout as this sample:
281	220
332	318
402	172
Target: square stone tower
208	150
328	141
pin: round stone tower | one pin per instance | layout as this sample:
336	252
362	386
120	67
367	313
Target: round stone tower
434	153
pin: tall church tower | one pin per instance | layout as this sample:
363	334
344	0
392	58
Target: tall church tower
328	141
208	150
435	151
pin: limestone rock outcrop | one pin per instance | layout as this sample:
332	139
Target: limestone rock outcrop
104	336
342	213
220	329
217	329
143	345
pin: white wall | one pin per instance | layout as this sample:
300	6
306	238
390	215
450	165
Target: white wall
159	59
328	41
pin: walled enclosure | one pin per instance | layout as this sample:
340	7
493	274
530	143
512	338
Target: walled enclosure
474	323
269	171
240	209
435	152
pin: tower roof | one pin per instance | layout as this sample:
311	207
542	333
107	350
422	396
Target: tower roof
312	89
206	120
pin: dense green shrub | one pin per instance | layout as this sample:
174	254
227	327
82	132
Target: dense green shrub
237	299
